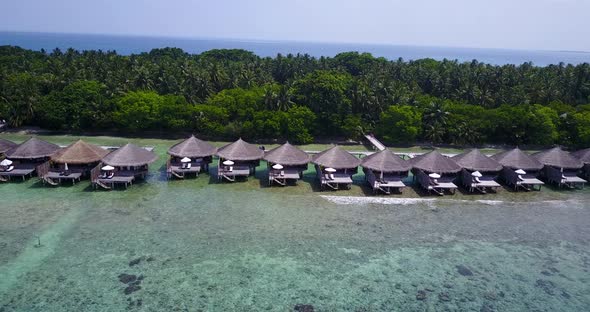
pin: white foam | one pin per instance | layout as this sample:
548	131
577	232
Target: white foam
355	200
491	202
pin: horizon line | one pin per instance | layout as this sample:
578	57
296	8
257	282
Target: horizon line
259	40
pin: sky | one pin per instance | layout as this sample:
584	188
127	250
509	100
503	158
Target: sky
509	24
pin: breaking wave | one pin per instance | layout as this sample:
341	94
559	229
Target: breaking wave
357	200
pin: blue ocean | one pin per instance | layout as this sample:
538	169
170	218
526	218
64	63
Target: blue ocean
136	44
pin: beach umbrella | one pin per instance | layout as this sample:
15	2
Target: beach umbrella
434	175
331	170
228	163
6	162
477	174
185	160
520	171
277	166
108	168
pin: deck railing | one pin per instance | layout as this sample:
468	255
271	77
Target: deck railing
42	169
95	172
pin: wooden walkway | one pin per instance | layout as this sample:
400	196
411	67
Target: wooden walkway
373	140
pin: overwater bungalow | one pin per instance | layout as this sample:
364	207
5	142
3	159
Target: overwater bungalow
190	156
560	168
520	170
435	173
122	166
5	145
335	167
238	159
478	172
71	163
21	160
385	171
584	157
286	162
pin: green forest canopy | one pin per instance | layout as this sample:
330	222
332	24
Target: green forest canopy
225	94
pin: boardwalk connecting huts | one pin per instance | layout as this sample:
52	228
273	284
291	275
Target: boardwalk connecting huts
335	168
190	156
520	170
584	157
71	163
25	157
238	159
479	172
122	166
560	168
286	163
385	171
434	172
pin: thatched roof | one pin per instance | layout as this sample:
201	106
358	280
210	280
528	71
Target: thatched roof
192	148
385	161
31	149
240	150
559	158
474	160
79	152
517	159
336	158
435	162
287	155
5	145
583	155
129	155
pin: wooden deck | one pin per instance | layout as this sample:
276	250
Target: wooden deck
125	180
486	183
561	178
335	180
22	173
443	184
230	175
281	177
60	177
178	171
386	184
527	182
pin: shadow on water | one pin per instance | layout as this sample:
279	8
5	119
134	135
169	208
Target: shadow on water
40	185
311	179
162	174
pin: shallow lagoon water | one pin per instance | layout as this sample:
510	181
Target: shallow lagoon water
200	245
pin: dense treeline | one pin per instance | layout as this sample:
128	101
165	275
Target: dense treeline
231	93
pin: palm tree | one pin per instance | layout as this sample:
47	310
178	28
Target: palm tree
435	119
284	98
435	114
434	133
270	98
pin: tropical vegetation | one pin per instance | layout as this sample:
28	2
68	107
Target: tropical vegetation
225	94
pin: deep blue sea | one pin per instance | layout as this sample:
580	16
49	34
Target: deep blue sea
137	44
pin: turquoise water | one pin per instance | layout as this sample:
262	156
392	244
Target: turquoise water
137	44
197	245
